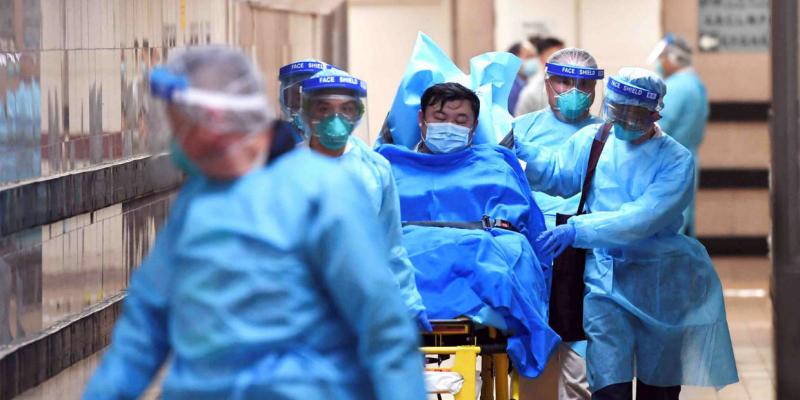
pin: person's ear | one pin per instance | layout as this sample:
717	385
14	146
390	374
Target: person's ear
421	124
655	116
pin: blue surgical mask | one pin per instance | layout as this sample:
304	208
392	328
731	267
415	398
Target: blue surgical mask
182	161
530	67
334	131
573	103
628	135
446	137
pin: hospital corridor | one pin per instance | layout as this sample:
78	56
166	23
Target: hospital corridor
408	199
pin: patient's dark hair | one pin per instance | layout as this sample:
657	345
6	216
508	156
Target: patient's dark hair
441	93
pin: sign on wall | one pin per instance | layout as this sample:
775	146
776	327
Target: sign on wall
734	25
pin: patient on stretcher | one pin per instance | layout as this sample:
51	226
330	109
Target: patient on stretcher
470	227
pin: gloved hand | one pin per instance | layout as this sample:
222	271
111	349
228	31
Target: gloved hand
422	321
556	240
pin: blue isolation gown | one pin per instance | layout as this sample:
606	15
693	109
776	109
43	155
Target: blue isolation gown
654	307
272	286
543	128
684	117
376	175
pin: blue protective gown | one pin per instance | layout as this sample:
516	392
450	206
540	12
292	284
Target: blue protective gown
273	286
543	128
684	117
654	307
376	175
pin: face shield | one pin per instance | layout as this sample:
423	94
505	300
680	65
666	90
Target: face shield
290	95
632	109
213	123
333	108
573	87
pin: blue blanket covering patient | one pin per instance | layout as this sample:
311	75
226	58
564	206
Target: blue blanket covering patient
494	277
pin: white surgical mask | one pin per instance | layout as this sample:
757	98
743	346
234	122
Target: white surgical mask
446	137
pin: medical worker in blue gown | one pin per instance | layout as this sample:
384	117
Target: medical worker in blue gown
570	81
333	107
266	282
653	309
291	77
685	110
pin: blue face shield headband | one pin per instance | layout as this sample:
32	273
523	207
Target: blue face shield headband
640	96
573	71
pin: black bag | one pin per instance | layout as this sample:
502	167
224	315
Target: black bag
567	290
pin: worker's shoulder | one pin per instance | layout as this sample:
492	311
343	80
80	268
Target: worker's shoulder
589	132
671	149
370	155
529	119
306	171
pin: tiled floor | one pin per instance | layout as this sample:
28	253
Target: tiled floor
746	282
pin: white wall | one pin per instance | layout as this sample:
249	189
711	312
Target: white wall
381	35
517	19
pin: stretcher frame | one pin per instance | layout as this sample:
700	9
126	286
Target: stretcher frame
463	340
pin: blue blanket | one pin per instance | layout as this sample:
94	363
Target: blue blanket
476	273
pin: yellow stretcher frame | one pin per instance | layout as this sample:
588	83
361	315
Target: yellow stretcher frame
494	367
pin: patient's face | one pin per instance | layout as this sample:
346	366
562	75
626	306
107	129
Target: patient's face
457	112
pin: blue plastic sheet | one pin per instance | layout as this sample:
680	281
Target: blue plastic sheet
477	273
491	77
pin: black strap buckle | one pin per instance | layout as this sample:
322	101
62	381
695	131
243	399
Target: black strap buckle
487	223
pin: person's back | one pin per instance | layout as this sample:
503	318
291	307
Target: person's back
685	109
252	309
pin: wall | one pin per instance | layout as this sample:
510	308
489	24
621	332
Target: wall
749	71
381	35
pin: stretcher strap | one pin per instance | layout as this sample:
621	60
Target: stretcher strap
485	223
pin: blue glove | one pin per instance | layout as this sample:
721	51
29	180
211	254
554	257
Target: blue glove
556	240
422	321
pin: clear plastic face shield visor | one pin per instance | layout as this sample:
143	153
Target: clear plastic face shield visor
290	92
673	52
220	116
333	109
637	113
563	78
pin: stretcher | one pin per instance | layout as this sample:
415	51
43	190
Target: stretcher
463	340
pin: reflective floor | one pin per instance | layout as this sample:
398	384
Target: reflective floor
746	282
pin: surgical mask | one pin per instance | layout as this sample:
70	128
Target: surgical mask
182	161
446	137
628	135
530	67
334	131
573	103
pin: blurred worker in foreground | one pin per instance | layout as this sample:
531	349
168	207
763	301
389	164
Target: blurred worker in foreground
685	107
533	97
530	66
266	282
653	308
333	107
571	77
